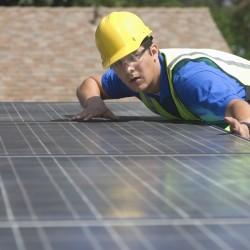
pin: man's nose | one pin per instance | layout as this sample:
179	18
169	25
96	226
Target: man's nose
128	67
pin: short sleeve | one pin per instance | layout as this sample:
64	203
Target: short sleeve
205	90
114	86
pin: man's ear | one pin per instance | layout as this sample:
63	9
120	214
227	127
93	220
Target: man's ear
154	51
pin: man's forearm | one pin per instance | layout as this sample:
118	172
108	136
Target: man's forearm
90	95
89	88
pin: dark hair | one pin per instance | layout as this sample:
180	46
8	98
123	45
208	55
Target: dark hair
147	41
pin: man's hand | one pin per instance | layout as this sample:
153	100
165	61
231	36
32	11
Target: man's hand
95	108
237	128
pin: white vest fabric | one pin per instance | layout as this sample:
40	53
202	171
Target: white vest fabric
234	66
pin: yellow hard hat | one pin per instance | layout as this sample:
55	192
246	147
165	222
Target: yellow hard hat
119	34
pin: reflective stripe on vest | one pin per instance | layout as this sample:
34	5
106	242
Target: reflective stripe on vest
155	107
234	66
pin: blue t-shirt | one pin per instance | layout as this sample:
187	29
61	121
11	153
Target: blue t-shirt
203	89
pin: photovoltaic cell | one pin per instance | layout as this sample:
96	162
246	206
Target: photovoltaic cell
139	183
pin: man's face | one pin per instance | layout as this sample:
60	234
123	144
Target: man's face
140	70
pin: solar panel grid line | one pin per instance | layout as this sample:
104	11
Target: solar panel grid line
38	139
115	106
187	140
238	171
229	191
133	109
63	107
136	109
150	139
27	112
207	190
123	145
116	237
132	222
52	109
33	113
7	205
92	239
72	205
227	138
15	108
55	138
100	193
128	138
139	138
25	139
91	206
216	141
58	137
193	241
59	191
126	110
3	146
39	194
175	192
13	140
235	235
44	240
143	239
47	113
134	238
12	114
23	191
87	137
61	150
136	192
216	239
11	218
178	210
172	138
73	155
7	111
100	139
126	141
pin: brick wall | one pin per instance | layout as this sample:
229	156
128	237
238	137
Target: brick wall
46	52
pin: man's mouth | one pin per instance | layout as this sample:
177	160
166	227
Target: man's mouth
134	79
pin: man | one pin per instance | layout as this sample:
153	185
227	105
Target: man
179	84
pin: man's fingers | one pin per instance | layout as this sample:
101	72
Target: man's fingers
234	124
237	128
110	115
88	117
79	116
85	116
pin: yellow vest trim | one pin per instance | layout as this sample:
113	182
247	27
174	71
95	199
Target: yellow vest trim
232	65
155	107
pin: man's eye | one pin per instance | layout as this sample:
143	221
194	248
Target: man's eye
118	63
136	56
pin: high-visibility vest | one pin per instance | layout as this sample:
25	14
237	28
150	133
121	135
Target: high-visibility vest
234	66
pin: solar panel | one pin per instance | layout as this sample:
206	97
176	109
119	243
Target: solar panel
139	183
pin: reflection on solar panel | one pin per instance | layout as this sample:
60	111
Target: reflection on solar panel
140	183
